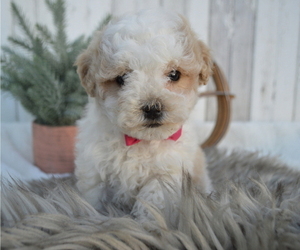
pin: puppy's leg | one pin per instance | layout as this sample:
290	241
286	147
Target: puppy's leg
93	193
163	195
200	176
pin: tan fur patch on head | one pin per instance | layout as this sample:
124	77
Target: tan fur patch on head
109	88
87	63
200	50
83	64
186	83
206	69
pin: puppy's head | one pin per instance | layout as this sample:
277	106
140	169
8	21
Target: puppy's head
144	70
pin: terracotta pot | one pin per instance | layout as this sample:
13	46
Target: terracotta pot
53	148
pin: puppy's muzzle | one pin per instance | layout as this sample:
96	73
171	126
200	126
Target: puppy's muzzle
152	112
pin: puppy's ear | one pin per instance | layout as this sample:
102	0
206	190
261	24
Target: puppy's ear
207	64
83	64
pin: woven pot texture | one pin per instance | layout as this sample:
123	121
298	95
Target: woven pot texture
53	148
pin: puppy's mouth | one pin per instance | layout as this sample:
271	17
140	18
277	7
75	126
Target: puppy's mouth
152	125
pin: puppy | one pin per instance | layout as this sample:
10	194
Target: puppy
141	73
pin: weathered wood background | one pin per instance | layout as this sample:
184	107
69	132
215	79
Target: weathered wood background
256	43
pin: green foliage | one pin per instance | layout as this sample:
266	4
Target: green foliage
39	71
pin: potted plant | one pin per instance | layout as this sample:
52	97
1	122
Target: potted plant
39	72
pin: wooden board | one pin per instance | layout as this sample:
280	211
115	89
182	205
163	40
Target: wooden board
256	43
220	35
8	104
197	13
84	16
275	60
296	110
241	58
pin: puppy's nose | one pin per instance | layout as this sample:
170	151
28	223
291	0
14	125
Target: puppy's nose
152	112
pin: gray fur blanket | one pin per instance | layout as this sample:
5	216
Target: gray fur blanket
256	205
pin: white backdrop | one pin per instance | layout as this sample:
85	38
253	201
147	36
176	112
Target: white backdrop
256	42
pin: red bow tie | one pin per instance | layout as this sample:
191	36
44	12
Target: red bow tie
131	141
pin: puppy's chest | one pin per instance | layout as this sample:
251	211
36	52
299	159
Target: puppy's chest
155	158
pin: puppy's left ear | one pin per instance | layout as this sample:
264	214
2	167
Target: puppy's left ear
83	64
207	64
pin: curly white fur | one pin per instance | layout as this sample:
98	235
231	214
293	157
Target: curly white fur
143	49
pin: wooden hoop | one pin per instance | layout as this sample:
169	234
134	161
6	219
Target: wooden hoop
224	107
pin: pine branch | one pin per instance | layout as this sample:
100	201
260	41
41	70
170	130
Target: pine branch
15	85
58	13
23	23
44	79
36	42
20	42
45	33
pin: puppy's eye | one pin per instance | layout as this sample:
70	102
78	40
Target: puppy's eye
120	80
174	75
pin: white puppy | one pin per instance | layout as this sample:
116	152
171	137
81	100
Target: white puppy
141	72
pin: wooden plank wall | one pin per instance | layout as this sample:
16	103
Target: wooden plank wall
256	43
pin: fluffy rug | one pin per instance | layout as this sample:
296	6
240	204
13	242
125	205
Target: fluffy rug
256	205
